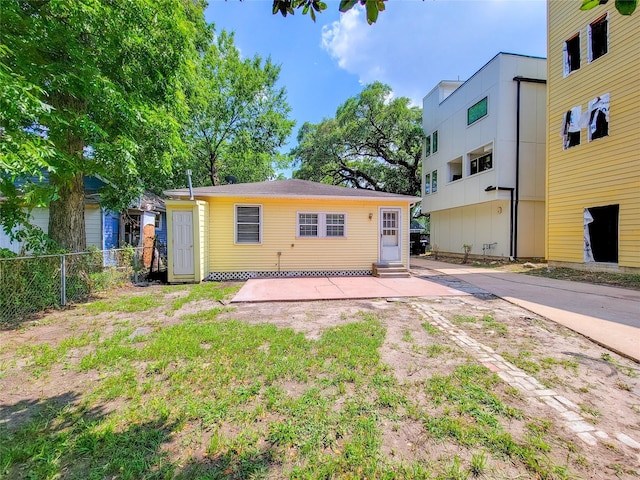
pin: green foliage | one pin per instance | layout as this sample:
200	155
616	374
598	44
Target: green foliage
625	7
239	117
106	83
288	7
373	142
28	285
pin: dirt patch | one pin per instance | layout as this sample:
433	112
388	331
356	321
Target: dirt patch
603	386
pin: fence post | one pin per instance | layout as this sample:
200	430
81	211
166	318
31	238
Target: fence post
135	266
63	281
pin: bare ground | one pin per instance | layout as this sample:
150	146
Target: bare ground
604	386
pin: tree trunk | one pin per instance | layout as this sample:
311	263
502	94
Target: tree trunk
66	214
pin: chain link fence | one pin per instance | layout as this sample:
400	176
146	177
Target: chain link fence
32	284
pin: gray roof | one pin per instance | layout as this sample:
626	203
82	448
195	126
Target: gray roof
291	188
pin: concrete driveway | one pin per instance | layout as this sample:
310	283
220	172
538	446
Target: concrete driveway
609	316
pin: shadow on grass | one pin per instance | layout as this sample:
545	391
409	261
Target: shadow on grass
58	437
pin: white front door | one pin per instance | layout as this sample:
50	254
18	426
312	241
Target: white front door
183	242
390	233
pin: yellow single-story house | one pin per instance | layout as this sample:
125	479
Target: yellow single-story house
283	228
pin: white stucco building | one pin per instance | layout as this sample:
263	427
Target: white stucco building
483	175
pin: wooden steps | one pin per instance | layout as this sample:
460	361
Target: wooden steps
390	270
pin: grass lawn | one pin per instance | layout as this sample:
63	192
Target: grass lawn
171	383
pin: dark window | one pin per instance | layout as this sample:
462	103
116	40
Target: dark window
599	41
247	224
434	181
481	164
571	127
599	117
477	111
434	142
603	233
427	146
572	55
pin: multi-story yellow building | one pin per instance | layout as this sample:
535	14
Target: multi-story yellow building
593	141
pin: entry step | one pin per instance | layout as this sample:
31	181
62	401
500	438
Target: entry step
390	270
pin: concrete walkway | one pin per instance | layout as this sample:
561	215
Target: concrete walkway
609	316
340	288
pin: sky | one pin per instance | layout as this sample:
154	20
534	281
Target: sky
414	45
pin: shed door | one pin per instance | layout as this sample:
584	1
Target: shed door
182	242
390	235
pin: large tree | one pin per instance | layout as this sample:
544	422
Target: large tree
239	117
374	142
111	74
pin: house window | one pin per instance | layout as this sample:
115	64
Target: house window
248	223
427	184
455	169
427	146
158	222
598	35
335	224
477	111
571	127
308	224
480	164
434	181
434	141
318	225
572	54
598	117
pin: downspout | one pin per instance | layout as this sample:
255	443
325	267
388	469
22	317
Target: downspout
519	79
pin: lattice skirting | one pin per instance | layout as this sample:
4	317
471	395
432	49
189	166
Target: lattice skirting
222	276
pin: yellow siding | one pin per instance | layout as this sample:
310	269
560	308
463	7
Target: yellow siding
279	219
605	171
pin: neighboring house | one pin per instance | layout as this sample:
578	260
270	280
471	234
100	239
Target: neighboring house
284	228
484	160
593	153
105	229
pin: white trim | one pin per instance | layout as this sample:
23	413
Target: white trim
235	223
321	224
399	212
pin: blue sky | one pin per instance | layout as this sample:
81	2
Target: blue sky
414	45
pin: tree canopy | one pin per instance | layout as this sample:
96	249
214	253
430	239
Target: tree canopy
313	7
625	7
99	89
374	142
239	117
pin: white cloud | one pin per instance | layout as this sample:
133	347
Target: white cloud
415	44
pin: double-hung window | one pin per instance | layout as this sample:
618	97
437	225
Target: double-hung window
248	223
322	225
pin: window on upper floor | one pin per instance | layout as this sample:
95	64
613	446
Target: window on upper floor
454	168
571	127
477	111
481	163
427	184
598	117
248	223
598	38
427	146
571	53
434	142
434	181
